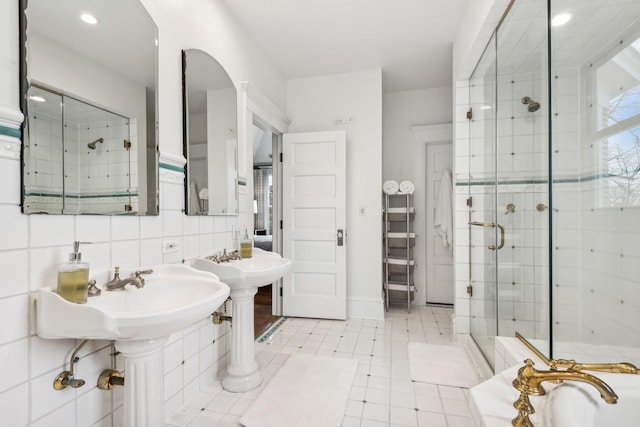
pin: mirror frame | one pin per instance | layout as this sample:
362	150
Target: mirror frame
231	210
152	207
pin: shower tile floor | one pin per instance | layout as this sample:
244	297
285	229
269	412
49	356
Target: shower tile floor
382	393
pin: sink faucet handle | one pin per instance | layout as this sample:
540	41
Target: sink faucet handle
139	279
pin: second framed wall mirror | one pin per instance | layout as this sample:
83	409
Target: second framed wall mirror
210	136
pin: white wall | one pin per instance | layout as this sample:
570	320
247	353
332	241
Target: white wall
401	111
32	246
312	105
404	158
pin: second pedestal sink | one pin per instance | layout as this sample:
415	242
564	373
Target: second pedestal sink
244	277
140	321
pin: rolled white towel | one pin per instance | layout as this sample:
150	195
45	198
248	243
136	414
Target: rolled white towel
390	187
407	187
204	194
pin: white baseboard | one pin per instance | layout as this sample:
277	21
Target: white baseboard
365	308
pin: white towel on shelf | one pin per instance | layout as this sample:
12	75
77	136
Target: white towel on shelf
407	187
443	219
204	194
390	187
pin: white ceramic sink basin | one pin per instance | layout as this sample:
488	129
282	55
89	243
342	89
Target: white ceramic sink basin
244	277
261	269
174	297
575	404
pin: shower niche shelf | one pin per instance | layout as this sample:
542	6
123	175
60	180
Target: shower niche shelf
399	241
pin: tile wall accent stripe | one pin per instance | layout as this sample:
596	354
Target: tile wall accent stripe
536	181
15	133
171	167
80	196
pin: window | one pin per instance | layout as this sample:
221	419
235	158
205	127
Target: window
617	126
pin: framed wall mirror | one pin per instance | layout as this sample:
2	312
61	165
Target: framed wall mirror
210	126
89	97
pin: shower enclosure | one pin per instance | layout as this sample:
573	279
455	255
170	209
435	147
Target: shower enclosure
78	157
553	180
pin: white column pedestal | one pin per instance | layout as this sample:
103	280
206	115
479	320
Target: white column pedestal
144	382
242	371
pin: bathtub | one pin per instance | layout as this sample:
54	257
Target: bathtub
570	404
579	405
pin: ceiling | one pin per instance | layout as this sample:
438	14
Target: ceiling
410	40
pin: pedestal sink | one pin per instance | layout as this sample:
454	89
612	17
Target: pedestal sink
139	321
244	277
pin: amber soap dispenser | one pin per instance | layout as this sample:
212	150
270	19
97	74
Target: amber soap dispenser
246	245
73	277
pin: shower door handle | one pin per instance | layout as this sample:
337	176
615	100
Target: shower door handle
491	225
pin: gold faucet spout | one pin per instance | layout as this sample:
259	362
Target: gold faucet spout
529	381
572	365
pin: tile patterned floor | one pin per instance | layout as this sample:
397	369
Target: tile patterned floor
382	393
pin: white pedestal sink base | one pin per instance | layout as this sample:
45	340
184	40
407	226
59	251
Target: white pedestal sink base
243	373
144	381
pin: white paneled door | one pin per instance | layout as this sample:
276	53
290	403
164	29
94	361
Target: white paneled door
314	221
440	288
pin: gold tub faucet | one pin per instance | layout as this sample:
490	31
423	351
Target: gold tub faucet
529	380
572	365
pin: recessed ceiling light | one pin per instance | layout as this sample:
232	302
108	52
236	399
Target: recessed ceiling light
560	19
37	98
89	19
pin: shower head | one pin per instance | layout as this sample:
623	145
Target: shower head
93	144
532	106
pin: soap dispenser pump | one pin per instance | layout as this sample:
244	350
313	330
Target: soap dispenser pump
73	277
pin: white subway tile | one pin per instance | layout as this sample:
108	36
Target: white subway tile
47	355
173	383
151	226
14	316
13	227
93	406
173	356
126	253
125	227
17	354
151	252
44	398
15	405
93	228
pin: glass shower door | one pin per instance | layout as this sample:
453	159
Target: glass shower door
522	172
509	184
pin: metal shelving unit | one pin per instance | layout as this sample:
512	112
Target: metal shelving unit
399	240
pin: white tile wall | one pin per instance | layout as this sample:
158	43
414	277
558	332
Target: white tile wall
30	251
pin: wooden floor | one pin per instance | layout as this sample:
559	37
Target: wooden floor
262	317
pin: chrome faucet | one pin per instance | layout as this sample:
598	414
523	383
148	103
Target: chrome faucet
528	382
117	283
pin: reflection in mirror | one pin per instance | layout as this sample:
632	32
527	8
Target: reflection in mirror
89	99
210	141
